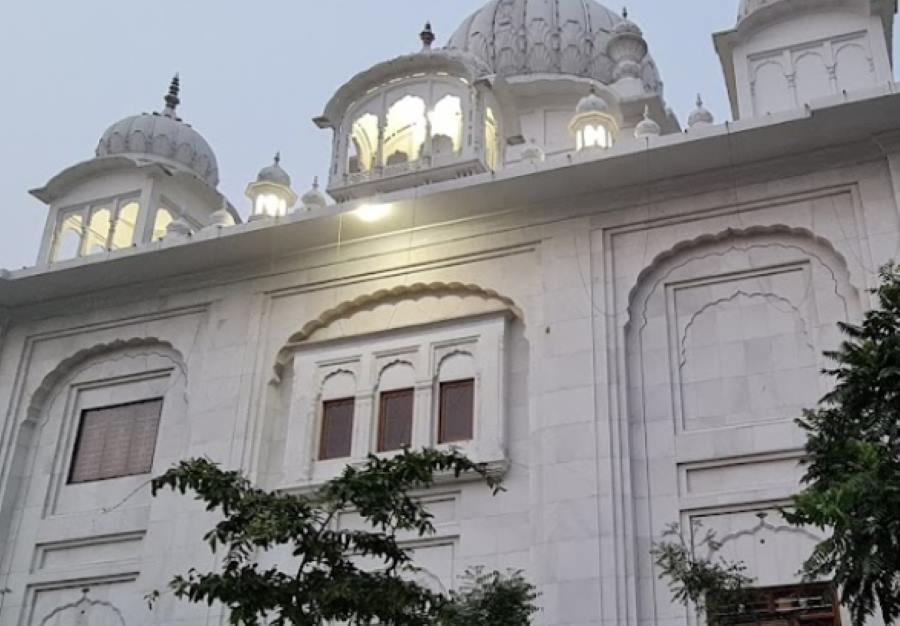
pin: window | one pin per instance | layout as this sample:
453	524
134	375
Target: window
405	130
161	223
68	238
110	226
395	418
337	429
800	605
364	144
446	125
456	421
116	441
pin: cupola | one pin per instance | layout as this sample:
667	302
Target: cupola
592	125
314	198
271	194
700	116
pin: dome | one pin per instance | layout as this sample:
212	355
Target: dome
515	37
701	115
274	173
647	127
591	103
162	136
314	198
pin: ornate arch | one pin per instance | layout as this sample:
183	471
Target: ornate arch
395	295
83	604
741	239
71	365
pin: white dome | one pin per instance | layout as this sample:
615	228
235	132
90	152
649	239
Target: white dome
314	198
515	37
592	103
274	173
162	136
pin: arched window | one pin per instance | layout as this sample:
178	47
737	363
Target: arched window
126	221
68	238
594	136
97	236
396	396
491	137
405	129
161	223
446	124
363	149
456	399
337	414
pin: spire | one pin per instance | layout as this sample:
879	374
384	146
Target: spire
172	100
315	182
427	36
277	158
624	13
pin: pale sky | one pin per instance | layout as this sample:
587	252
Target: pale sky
253	76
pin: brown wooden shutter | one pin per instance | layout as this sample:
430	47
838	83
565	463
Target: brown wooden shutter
337	429
116	441
395	420
456	411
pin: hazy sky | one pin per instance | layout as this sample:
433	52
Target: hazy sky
253	74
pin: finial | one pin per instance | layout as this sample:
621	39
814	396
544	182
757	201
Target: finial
646	111
427	36
699	101
315	182
278	157
172	99
624	13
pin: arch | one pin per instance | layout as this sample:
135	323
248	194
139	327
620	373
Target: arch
395	295
85	603
390	365
650	278
68	367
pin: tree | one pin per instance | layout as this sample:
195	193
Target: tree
852	479
714	586
327	579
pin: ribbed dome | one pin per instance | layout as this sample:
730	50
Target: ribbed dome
162	136
515	37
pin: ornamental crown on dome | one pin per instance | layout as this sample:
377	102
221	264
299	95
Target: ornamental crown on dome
592	103
162	137
516	37
700	116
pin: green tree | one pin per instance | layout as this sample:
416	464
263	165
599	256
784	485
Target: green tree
714	586
326	579
852	479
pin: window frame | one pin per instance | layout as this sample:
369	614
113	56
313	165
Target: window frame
383	398
86	211
444	384
79	432
323	431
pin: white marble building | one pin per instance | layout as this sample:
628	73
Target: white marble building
523	253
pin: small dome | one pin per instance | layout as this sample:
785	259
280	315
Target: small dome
647	127
162	137
274	173
314	198
518	37
700	116
627	27
592	103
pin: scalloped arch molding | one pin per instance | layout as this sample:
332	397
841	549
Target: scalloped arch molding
360	315
68	366
664	263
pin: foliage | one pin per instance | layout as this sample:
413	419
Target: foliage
326	580
853	467
490	599
712	585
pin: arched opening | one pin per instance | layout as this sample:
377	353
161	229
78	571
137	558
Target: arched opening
405	130
363	148
68	238
161	223
126	221
446	125
97	235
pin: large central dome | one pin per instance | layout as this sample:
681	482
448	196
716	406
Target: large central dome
515	37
